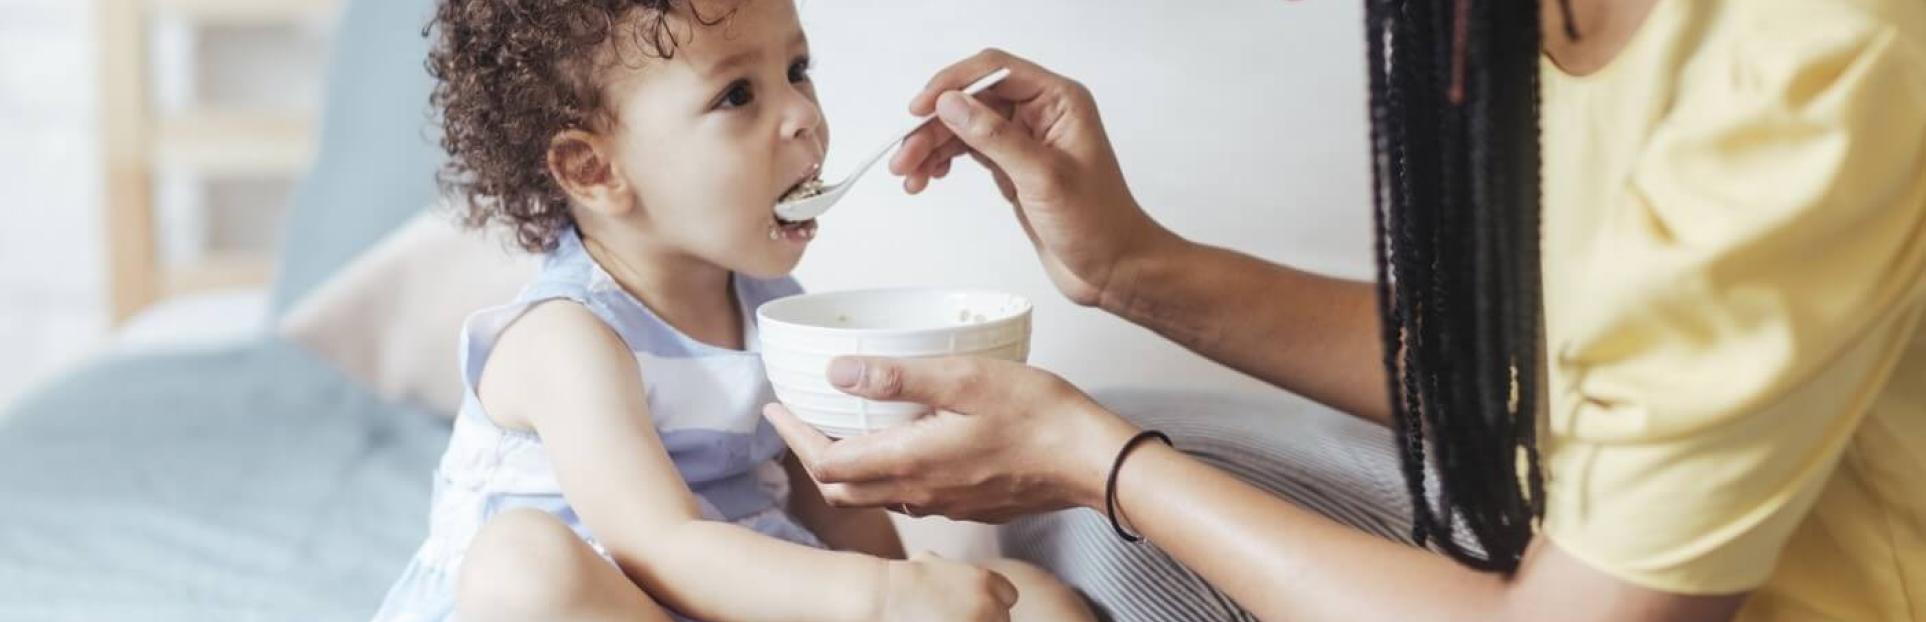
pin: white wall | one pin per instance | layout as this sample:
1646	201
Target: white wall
1240	123
51	259
53	279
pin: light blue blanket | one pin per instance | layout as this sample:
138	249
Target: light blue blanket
248	483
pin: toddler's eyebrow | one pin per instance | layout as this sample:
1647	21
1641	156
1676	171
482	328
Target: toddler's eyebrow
745	57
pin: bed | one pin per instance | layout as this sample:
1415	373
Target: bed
229	473
246	481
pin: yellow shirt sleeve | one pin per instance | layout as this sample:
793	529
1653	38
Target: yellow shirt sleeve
1745	299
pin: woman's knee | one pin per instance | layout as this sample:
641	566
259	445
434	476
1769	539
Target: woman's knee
524	564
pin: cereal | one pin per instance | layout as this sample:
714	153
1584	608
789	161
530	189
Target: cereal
806	189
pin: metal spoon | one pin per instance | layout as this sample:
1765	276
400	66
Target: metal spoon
805	208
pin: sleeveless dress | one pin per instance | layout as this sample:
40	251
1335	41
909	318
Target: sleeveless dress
705	402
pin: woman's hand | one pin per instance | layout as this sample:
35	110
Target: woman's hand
1039	135
1004	440
932	588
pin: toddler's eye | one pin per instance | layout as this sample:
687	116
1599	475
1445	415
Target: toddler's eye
737	96
799	71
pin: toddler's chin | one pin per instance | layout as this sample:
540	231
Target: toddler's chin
774	264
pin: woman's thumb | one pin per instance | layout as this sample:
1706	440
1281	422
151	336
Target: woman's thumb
988	132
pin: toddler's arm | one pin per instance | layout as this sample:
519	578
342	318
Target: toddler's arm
864	530
562	372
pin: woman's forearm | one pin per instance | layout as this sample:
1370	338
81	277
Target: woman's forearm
704	570
1314	335
1282	562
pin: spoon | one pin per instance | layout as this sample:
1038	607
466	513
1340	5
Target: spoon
805	208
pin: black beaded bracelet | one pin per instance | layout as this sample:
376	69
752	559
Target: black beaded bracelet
1110	487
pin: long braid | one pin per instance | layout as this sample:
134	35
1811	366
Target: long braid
1450	270
1408	252
1386	132
1454	135
1527	320
1474	272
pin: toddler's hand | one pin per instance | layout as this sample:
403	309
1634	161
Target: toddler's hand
933	589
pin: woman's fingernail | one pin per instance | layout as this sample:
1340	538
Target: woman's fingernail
846	373
953	110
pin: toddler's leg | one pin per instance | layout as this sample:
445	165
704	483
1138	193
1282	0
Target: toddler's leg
526	565
1040	595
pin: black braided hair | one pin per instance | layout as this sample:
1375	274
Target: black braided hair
1454	130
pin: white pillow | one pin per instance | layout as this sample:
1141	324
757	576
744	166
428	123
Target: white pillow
392	317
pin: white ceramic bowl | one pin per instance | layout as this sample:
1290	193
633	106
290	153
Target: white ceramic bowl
801	334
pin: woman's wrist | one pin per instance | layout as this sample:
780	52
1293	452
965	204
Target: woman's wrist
1101	436
1138	276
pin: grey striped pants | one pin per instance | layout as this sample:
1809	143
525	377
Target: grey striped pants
1322	460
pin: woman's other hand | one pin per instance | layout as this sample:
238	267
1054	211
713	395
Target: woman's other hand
1003	440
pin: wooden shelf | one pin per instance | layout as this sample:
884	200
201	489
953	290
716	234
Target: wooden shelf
136	139
245	12
233	144
219	271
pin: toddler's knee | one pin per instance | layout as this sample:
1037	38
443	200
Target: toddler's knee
524	564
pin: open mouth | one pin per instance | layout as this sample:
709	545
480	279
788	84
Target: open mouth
796	230
809	186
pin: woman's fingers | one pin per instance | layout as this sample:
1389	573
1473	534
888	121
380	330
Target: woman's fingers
982	122
949	152
936	143
870	459
1004	440
943	155
919	180
808	442
1025	82
935	166
920	147
944	383
987	131
866	495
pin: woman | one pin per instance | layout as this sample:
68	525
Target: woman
1731	387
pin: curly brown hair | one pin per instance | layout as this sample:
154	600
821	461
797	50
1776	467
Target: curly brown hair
510	75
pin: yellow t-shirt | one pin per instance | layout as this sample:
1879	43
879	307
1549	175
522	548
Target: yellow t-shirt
1735	272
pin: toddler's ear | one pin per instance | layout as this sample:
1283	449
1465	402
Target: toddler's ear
579	161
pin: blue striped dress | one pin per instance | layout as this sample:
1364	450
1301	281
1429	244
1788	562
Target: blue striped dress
705	402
